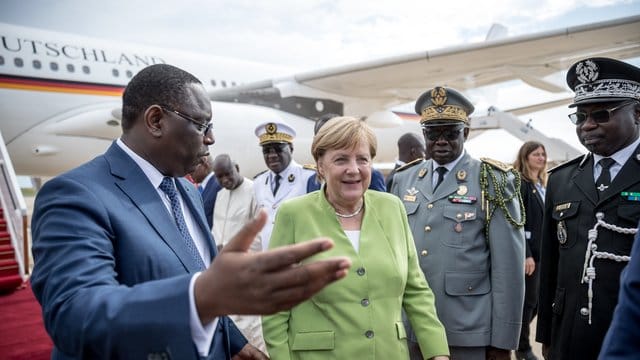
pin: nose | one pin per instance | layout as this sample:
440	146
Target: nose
352	166
208	138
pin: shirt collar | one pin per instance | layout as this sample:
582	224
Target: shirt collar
450	165
621	156
154	176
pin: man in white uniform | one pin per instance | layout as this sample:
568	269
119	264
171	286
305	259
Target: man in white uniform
285	178
235	206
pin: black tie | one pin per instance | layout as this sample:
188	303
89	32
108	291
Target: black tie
275	188
604	180
441	171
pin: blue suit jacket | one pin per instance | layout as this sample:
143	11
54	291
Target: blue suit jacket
111	270
623	338
209	199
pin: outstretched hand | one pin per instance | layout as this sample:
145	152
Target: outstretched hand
240	282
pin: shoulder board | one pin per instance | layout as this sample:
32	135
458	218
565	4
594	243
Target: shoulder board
409	165
497	164
260	173
311	167
581	159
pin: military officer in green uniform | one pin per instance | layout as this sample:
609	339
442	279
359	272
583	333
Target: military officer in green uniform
592	209
466	218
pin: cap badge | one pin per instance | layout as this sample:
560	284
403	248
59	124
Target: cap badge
271	128
439	96
587	71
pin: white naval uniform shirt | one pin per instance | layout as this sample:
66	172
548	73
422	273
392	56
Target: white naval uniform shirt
293	183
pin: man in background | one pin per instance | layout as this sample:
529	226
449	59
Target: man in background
411	151
208	186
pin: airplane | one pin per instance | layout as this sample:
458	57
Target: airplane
60	93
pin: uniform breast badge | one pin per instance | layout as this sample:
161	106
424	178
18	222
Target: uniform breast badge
291	178
411	195
631	195
461	175
462	190
562	232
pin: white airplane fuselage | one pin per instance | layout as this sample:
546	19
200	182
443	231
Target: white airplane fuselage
60	99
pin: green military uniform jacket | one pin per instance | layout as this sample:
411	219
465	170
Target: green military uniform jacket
478	282
358	317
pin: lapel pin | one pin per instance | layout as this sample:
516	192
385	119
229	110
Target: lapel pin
291	178
461	175
422	173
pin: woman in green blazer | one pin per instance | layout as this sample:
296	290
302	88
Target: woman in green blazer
359	317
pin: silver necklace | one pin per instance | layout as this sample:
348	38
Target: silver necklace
346	216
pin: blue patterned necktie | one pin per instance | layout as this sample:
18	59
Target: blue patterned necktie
169	188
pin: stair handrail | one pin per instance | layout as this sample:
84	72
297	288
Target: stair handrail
15	209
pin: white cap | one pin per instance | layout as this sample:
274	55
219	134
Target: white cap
275	132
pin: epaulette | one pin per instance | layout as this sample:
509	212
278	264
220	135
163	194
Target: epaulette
260	173
409	165
581	159
311	167
497	164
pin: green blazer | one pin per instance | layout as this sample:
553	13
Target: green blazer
360	316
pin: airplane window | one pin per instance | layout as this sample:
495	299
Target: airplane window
115	72
223	83
86	69
70	68
129	74
37	64
18	62
53	66
213	83
233	83
1	60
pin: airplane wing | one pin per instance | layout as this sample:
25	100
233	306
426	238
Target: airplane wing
375	85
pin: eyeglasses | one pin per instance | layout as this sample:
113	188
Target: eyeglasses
449	135
278	148
203	129
599	116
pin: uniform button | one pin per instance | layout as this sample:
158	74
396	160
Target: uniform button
369	334
458	216
424	253
360	271
430	206
584	311
470	288
427	228
364	302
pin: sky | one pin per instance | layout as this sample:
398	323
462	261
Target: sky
314	34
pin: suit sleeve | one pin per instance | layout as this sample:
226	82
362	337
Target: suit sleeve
377	181
419	301
506	244
275	328
87	312
549	254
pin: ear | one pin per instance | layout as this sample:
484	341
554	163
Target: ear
466	133
153	120
291	147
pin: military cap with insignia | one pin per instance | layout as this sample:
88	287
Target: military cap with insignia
443	106
275	132
597	80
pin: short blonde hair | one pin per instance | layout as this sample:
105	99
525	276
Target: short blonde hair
344	132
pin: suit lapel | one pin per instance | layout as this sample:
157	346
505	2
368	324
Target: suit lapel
627	176
584	180
136	186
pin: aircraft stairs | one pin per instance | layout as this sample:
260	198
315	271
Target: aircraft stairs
14	247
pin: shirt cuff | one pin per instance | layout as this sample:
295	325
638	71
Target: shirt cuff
202	335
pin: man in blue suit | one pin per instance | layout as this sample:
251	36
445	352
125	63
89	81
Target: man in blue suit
623	337
124	260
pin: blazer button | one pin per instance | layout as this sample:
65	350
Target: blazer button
360	271
430	206
424	253
369	334
364	302
584	311
427	228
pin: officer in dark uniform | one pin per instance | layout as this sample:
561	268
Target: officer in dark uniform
592	209
466	220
